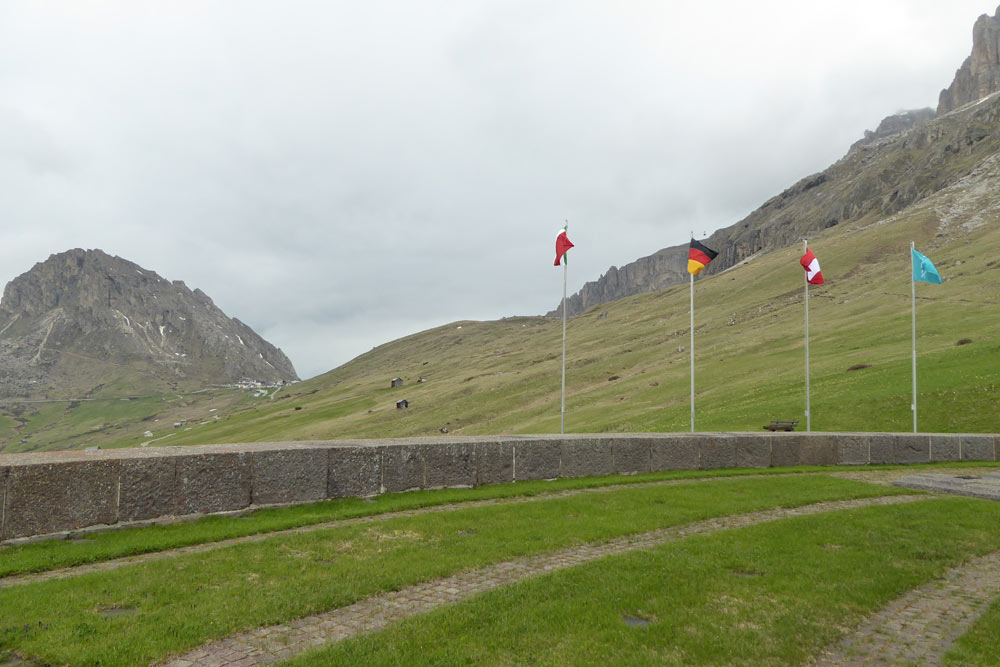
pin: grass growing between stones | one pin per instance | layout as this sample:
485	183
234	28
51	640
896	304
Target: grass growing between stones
143	612
978	646
101	546
770	594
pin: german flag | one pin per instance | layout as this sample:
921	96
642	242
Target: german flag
698	257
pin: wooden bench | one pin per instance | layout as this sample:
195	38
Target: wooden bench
781	425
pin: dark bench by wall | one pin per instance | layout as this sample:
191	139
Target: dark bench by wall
51	493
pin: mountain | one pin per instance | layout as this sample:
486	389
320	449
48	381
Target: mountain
910	156
84	321
979	75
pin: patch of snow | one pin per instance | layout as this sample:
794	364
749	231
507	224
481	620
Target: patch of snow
241	340
125	317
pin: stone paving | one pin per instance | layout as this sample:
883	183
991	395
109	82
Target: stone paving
280	642
976	484
889	476
919	627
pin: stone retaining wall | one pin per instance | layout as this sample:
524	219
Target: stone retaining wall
56	492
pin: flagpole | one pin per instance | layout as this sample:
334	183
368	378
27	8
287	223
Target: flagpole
562	414
913	311
692	348
805	248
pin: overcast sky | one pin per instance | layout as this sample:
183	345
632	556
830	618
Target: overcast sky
338	174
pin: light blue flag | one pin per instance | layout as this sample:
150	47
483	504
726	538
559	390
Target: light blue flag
923	269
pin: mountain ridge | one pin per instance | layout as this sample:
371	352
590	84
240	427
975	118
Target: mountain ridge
87	309
910	155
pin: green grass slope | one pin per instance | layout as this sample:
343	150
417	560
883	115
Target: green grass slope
626	371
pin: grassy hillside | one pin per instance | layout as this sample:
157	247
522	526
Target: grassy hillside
626	371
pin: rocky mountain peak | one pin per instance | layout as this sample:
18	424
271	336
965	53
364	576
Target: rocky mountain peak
896	123
88	309
979	75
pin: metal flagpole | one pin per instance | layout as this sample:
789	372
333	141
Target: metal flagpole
913	311
562	414
692	348
805	248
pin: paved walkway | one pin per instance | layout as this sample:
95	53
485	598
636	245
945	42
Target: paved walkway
977	484
890	476
919	628
280	642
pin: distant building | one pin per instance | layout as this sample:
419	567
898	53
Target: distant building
402	404
397	382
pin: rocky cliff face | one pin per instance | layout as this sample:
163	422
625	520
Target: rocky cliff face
83	318
979	75
661	269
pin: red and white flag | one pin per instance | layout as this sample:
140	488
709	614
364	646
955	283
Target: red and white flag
563	244
809	262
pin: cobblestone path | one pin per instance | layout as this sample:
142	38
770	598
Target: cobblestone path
279	642
919	627
114	564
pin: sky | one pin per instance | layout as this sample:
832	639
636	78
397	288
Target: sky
339	174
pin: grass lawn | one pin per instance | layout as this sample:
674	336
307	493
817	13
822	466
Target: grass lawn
770	594
981	644
100	546
773	593
143	612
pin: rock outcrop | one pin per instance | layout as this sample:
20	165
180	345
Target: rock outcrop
83	318
979	75
896	123
661	269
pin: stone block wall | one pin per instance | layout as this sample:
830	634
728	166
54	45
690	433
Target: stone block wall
59	492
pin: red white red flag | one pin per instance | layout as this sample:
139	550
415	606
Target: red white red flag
809	262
